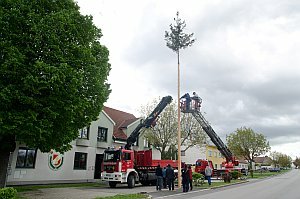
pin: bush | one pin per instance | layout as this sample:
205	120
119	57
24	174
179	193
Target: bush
8	193
198	179
235	174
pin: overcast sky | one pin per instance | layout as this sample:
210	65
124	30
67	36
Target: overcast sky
244	63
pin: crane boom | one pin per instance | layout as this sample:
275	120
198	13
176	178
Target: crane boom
192	105
213	136
149	121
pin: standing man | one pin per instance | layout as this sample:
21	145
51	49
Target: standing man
208	173
170	175
185	179
159	177
164	178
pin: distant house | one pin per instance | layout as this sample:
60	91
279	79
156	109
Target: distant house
212	153
243	164
263	162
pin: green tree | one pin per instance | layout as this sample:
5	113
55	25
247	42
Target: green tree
275	158
281	160
285	161
296	162
244	142
163	135
53	74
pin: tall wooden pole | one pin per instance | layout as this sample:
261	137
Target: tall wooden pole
179	133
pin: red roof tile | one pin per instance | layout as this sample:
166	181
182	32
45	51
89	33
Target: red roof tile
121	119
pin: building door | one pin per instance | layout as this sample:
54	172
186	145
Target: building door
98	163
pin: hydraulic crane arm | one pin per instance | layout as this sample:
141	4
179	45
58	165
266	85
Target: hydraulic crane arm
148	122
213	136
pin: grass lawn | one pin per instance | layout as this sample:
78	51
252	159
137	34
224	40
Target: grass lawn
256	175
215	184
267	174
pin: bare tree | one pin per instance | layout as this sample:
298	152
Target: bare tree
163	135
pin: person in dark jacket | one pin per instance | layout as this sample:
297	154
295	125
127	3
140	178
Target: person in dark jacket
164	178
185	179
159	177
170	175
187	100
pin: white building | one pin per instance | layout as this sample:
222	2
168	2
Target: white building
83	162
192	154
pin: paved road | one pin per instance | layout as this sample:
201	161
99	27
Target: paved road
284	186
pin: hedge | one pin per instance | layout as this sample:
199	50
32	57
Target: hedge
8	193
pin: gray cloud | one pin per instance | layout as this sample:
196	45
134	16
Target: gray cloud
244	64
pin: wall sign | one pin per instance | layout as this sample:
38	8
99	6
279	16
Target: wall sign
55	160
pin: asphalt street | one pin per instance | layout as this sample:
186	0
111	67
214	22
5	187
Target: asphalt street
285	186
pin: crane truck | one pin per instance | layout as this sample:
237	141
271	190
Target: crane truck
192	105
125	165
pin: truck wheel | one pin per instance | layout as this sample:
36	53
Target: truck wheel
131	181
112	184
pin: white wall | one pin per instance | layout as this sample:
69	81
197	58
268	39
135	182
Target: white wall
192	154
42	173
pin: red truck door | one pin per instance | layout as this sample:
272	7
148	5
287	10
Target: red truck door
127	160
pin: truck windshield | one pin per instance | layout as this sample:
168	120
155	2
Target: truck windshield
111	156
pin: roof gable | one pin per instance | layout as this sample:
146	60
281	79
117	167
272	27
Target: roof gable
121	119
262	160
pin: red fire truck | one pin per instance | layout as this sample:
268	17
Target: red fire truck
125	165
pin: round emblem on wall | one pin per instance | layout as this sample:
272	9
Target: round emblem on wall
55	160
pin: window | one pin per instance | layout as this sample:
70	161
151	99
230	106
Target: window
182	153
126	156
80	161
220	155
215	154
137	141
84	133
146	143
102	134
216	166
26	158
209	153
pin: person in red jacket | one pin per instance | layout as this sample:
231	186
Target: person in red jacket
190	173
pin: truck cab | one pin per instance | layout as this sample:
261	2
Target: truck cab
201	165
118	167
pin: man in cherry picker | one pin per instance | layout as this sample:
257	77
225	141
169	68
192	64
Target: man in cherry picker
197	100
187	100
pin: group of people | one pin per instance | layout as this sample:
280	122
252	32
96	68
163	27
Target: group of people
165	176
188	99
